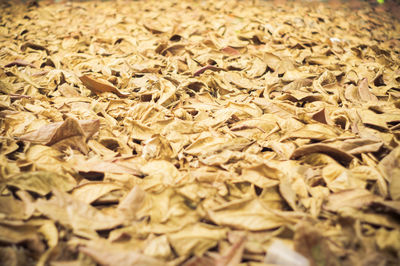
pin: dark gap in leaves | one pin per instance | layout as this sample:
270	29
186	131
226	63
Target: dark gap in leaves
381	129
378	81
111	144
233	68
190	204
195	86
191	93
137	141
193	112
381	153
329	52
207	221
13	191
341	122
175	38
211	62
9	74
104	233
393	123
358	156
104	203
14	155
118	41
369	185
362	46
213	248
381	208
258	190
146	97
26	168
92	176
174	253
286	206
265	149
49	63
318	182
375	109
256	40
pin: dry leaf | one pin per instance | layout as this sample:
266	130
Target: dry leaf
99	86
42	182
199	133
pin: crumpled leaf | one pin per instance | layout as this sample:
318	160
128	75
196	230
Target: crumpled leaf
314	246
70	132
90	192
390	168
364	92
42	182
196	239
248	215
158	247
106	254
19	62
83	218
132	202
354	198
335	153
22	234
11	208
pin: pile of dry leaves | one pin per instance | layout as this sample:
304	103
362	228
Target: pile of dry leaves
176	132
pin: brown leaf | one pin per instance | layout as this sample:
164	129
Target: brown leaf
234	254
339	155
55	132
364	92
208	67
310	242
33	46
99	86
230	50
132	202
19	62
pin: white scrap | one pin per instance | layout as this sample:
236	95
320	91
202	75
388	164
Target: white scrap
280	254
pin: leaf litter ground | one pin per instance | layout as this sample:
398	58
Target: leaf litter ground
199	133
